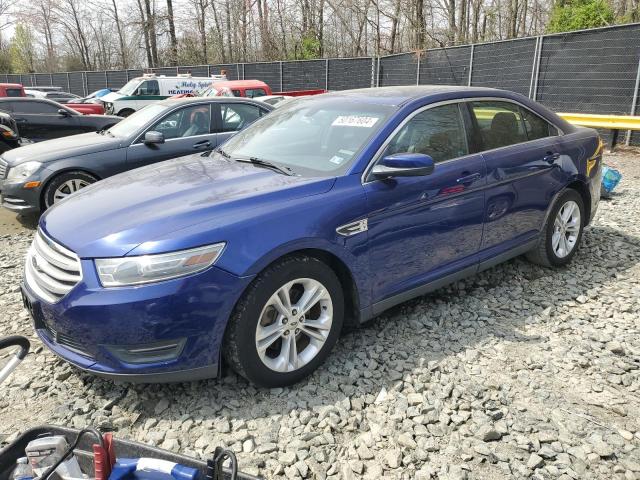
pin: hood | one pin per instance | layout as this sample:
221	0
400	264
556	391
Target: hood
111	97
112	217
64	147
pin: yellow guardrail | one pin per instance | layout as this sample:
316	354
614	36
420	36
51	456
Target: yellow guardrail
615	123
610	122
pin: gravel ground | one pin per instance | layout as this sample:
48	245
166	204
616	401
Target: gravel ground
519	372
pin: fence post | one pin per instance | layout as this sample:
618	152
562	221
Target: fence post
106	80
326	74
281	81
243	71
68	83
418	69
536	69
471	55
85	84
634	102
533	66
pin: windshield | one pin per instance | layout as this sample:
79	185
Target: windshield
130	87
316	137
137	120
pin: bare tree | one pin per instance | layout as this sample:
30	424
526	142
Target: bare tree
173	41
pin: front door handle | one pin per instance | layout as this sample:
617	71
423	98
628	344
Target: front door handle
202	144
468	179
551	157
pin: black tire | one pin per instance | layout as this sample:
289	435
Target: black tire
125	112
239	345
544	254
49	192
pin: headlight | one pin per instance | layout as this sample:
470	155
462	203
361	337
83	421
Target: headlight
118	272
23	171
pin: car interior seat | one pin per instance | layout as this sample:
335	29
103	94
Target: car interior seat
504	130
198	124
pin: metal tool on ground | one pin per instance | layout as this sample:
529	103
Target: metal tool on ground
94	453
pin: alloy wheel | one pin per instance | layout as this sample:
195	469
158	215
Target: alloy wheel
294	325
566	229
69	187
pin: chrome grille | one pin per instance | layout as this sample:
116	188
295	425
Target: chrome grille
51	271
3	169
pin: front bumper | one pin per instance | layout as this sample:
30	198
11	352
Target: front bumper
92	325
19	199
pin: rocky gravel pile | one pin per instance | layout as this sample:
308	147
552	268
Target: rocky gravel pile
519	372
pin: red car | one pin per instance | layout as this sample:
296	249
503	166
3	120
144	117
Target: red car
12	90
87	108
247	88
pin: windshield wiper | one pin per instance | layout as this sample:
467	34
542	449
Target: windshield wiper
264	163
223	153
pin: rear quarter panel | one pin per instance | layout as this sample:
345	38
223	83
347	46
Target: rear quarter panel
581	158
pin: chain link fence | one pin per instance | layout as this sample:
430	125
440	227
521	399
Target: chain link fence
589	71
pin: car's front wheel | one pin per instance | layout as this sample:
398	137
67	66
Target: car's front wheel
287	322
561	235
65	184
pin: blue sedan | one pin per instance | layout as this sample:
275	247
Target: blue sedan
322	214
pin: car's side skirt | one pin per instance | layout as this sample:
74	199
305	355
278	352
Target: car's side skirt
379	307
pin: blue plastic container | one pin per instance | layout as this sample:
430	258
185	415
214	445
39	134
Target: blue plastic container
151	469
610	179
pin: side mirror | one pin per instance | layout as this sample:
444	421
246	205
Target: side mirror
153	138
63	113
404	165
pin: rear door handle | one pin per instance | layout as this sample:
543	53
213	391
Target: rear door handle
468	179
551	157
202	144
21	120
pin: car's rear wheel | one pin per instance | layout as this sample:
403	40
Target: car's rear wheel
561	236
286	323
63	185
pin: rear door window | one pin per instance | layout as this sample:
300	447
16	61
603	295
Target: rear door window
14	92
35	107
438	132
536	126
500	123
236	116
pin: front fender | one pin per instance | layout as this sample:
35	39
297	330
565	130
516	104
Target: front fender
101	164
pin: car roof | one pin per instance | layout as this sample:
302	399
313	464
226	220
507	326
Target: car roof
187	100
11	85
399	95
239	83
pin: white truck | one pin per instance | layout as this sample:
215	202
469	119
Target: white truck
150	88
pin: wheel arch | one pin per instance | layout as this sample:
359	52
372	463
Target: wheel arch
339	267
126	109
62	171
582	188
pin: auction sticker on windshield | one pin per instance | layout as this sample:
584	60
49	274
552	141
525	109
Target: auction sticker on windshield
354	121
